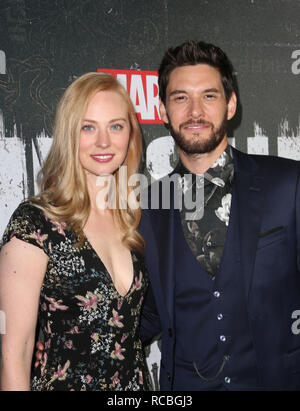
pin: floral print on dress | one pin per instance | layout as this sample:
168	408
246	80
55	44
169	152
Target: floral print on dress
91	332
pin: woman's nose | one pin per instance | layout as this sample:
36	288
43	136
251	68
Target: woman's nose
103	139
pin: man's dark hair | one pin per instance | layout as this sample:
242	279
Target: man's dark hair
191	53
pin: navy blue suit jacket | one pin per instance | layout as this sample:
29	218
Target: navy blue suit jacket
266	192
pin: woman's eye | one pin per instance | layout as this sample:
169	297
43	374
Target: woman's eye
87	127
116	127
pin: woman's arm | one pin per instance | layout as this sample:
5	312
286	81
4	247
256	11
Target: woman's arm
22	270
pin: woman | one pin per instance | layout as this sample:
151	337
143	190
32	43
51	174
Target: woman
75	267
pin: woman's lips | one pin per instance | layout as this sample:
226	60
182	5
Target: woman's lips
102	158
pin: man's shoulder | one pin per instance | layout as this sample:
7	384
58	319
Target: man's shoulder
265	163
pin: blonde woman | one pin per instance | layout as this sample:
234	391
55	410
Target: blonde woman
75	267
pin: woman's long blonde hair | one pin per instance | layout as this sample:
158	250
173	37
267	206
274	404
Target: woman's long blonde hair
63	193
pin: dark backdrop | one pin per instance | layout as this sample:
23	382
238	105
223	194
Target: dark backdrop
45	44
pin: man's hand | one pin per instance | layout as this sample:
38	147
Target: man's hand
39	353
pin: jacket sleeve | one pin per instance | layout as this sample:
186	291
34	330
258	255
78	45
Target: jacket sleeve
150	322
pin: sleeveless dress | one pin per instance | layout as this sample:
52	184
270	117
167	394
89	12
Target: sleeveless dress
91	332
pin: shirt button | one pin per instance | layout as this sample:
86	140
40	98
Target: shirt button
220	316
222	338
227	380
217	294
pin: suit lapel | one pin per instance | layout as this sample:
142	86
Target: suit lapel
249	198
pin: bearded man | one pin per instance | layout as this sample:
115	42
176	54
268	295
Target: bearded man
223	287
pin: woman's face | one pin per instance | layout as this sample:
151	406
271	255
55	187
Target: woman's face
104	135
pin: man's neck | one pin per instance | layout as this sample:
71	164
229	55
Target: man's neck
200	163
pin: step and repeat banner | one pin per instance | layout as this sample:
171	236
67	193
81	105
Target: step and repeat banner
46	44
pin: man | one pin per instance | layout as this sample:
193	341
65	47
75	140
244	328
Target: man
223	287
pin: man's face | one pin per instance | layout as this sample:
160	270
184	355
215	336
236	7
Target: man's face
196	108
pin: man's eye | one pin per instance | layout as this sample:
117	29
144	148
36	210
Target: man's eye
210	96
180	98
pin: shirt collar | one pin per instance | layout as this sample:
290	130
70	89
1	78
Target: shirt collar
220	173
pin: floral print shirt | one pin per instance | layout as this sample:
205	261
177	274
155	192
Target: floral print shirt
91	332
206	236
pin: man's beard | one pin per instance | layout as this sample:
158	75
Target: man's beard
198	144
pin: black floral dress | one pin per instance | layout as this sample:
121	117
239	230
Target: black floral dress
91	332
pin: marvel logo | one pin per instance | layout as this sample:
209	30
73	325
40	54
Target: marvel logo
142	86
